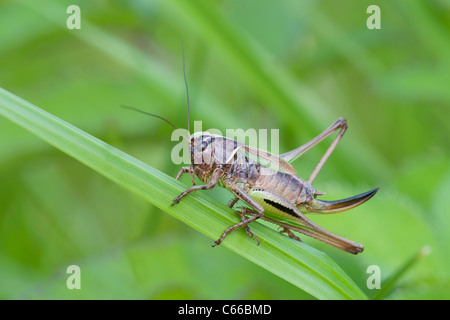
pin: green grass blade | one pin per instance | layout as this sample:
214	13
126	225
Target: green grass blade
390	283
303	266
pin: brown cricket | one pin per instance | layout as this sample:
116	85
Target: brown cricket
268	184
276	195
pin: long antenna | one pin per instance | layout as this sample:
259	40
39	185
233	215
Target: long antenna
187	89
191	168
150	114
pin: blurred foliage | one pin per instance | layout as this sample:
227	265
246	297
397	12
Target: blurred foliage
290	65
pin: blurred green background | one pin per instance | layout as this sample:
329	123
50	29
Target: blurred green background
295	66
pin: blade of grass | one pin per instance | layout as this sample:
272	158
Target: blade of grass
390	283
303	266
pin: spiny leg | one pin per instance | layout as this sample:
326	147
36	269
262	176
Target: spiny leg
285	229
233	202
343	125
319	234
290	156
215	177
259	213
290	234
242	214
244	221
184	170
247	228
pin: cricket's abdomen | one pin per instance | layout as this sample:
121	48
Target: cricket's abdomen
288	186
254	176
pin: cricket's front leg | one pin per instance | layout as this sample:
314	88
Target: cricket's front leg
187	170
183	171
215	177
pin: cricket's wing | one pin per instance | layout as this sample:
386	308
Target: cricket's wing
226	151
269	160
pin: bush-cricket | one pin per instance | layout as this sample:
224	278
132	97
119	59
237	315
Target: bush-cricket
275	195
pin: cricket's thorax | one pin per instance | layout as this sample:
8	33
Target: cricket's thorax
243	170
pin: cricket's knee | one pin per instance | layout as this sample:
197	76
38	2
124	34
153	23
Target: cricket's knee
341	122
183	171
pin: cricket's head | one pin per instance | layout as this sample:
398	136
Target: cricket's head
211	150
202	151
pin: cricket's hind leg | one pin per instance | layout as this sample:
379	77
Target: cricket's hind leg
340	124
